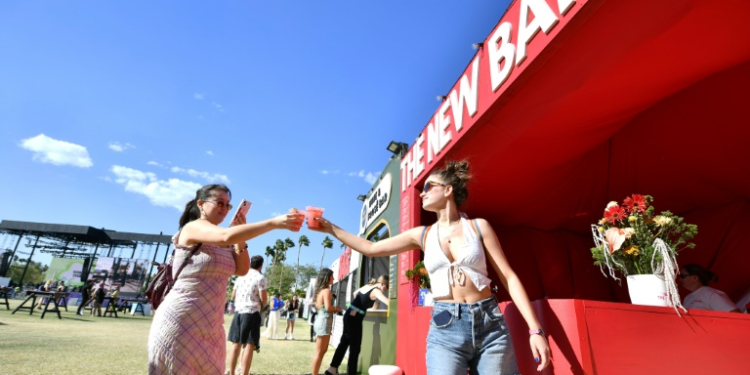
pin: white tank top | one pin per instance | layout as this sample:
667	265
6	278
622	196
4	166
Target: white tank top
471	262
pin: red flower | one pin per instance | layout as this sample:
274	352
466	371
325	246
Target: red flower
614	213
636	202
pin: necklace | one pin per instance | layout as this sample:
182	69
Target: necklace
452	228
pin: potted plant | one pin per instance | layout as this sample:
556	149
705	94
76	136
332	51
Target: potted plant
421	279
631	239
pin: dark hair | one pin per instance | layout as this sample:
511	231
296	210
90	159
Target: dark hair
277	295
192	212
256	262
704	275
456	174
322	281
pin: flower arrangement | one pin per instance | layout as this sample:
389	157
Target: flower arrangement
634	240
419	273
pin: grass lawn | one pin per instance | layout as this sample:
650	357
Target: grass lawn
84	345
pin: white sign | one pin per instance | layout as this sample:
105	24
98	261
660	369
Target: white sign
376	203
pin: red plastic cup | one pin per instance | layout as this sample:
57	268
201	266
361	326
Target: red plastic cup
312	213
297	211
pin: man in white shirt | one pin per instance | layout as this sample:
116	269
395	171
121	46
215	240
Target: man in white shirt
249	297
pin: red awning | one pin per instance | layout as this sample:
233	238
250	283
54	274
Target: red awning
637	96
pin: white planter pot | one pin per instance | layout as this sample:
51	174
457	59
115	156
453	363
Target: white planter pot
649	290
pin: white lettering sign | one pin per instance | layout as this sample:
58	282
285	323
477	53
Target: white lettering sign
376	203
503	54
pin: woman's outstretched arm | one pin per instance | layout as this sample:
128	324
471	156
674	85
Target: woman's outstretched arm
408	240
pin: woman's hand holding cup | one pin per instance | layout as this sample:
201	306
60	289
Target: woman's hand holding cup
291	221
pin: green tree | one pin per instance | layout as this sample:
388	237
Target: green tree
270	258
303	241
281	248
327	244
306	272
281	284
35	274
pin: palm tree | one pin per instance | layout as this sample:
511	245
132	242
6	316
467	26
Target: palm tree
271	257
327	244
281	248
303	241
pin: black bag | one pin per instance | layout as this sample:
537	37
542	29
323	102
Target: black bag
162	282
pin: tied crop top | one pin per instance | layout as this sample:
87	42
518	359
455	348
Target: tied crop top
470	263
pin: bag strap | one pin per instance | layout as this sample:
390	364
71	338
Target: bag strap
184	263
425	231
477	231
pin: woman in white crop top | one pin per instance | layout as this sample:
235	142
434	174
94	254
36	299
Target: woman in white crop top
456	257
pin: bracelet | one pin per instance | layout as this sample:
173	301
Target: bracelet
241	250
536	332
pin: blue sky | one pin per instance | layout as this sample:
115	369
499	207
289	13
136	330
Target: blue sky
113	113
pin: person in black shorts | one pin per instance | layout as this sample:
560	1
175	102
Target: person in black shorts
249	297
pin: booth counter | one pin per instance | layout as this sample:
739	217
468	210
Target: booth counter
592	337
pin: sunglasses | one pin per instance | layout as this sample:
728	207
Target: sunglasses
429	184
221	204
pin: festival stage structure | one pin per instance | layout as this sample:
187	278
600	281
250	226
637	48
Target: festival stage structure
76	242
570	104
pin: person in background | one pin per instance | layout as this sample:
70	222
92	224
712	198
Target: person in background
273	317
744	302
467	328
313	314
46	287
695	279
99	294
187	335
114	292
249	296
292	308
324	321
363	299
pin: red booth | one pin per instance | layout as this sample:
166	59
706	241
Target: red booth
568	105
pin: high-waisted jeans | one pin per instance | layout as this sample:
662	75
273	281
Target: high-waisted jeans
474	337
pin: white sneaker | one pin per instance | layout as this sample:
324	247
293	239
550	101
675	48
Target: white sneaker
332	371
291	337
285	337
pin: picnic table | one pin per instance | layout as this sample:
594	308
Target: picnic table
58	299
4	297
111	307
135	305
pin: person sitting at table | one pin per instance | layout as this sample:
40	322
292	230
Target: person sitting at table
46	287
85	296
695	279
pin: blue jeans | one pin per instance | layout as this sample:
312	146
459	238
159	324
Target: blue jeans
473	338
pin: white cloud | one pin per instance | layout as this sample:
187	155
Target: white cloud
53	151
166	193
204	175
218	106
274	214
155	164
210	153
369	177
324	172
198	95
118	147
